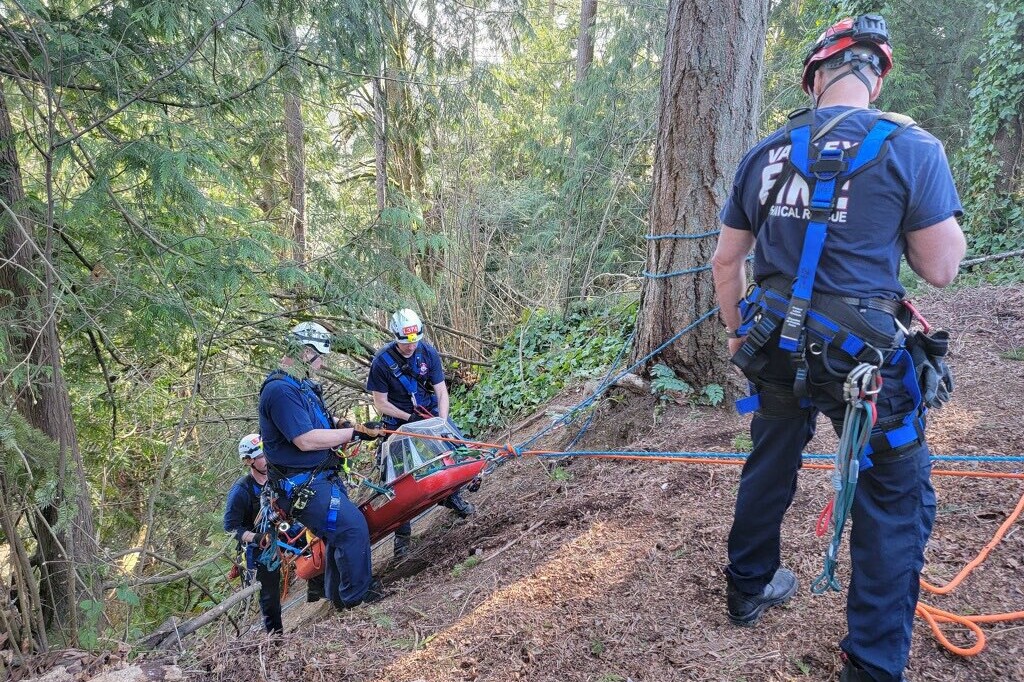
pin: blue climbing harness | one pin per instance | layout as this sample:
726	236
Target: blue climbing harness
820	322
303	481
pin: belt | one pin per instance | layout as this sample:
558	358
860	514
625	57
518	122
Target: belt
886	305
293	471
781	284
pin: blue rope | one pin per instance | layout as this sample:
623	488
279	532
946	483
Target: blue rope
603	386
743	455
700	235
565	418
687	271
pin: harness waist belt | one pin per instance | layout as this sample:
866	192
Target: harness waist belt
886	305
303	477
285	472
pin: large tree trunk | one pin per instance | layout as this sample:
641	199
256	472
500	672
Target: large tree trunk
585	42
295	149
710	101
67	551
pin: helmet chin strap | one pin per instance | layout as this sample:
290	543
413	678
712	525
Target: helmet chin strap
855	71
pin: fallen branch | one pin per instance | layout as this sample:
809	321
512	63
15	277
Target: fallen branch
512	542
970	262
188	627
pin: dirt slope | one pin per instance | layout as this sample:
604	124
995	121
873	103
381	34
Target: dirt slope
610	571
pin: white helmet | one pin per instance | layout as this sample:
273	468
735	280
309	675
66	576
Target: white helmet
312	334
250	447
406	326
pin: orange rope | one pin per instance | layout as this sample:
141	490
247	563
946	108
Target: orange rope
930	614
933	616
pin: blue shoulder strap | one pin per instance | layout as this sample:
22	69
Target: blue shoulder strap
408	383
313	404
829	171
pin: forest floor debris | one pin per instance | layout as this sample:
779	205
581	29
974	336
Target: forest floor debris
611	571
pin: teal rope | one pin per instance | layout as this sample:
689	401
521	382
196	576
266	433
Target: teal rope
856	433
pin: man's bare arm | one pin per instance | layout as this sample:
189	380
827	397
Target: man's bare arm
729	273
935	252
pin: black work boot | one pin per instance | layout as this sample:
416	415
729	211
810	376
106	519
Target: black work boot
458	505
854	673
403	540
746	609
315	589
375	593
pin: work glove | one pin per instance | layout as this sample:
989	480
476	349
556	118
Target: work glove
368	431
934	376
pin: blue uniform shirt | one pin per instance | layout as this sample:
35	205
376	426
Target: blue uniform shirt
909	187
289	408
242	507
424	366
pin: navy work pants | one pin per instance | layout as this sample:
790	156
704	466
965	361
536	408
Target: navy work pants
892	514
347	570
270	590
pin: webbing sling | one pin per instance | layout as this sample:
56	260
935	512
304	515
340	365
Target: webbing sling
829	172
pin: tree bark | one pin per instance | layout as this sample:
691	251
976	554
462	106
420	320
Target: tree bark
585	41
41	394
295	149
710	102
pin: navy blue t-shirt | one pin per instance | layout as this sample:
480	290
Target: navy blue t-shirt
288	409
424	365
909	188
242	507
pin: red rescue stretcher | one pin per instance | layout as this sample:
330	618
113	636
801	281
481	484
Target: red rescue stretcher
418	469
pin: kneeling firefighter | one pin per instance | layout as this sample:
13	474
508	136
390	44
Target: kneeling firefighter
831	203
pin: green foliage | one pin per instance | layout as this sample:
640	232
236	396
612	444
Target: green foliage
126	595
464	566
712	394
88	634
26	454
742	442
546	353
995	196
559	474
668	387
1014	354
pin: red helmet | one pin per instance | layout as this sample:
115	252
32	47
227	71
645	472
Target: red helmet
867	29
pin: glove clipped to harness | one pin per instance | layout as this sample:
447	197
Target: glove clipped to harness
933	374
